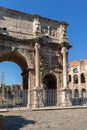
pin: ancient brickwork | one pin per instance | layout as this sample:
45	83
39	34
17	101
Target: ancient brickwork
78	68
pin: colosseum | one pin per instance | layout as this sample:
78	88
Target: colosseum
77	80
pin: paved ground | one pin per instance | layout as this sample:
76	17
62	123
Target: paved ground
72	119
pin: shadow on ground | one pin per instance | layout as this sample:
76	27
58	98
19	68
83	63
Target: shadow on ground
17	122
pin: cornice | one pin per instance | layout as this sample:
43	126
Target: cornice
32	16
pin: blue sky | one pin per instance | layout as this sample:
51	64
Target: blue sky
70	11
12	73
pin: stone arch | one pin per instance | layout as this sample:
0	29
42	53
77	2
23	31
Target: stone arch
83	92
50	90
76	98
19	60
76	93
83	96
82	77
70	78
75	79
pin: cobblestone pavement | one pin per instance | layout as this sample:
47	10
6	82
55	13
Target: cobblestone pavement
70	119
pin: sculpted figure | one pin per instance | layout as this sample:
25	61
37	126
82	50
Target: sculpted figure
62	33
36	26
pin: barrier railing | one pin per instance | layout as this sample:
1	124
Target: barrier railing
52	97
13	99
42	98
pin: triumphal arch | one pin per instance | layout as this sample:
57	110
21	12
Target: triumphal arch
40	47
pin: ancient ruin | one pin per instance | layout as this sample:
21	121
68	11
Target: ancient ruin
77	81
40	47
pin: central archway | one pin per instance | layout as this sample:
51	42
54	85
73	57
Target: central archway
10	73
14	57
20	60
50	90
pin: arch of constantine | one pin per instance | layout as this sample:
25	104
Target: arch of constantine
40	47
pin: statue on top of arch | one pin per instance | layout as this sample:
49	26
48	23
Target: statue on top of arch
62	33
36	26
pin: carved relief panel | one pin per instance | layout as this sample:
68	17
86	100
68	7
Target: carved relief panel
49	29
50	60
55	31
29	55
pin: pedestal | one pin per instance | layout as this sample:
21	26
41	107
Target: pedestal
65	97
28	99
37	101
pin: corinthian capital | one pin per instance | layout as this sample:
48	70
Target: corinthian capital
64	50
37	45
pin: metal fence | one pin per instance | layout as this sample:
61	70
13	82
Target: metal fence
40	98
52	97
78	99
17	98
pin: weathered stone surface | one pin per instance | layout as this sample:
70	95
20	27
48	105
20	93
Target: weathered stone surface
19	33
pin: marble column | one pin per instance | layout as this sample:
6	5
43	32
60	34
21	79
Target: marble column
37	91
29	92
37	66
64	53
37	76
64	95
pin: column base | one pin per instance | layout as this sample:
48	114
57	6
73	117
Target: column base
37	101
65	98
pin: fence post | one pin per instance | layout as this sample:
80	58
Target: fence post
2	122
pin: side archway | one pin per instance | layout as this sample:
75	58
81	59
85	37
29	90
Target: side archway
50	90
